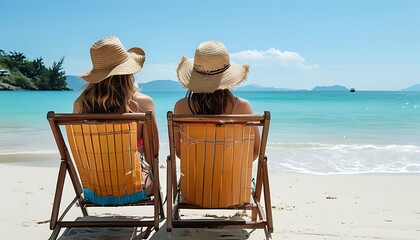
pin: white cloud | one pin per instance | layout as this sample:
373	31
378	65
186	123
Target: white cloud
270	56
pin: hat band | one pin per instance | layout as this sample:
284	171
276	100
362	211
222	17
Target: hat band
214	72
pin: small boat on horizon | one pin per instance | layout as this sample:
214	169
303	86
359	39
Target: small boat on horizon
352	90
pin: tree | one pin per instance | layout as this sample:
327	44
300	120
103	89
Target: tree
36	70
57	76
17	57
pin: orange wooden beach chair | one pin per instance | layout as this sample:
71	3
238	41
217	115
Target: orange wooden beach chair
105	168
216	171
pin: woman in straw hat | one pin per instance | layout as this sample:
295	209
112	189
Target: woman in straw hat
209	78
111	85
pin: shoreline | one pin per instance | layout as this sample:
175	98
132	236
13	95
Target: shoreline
52	159
305	206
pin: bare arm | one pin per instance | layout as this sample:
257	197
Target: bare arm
146	103
243	106
77	106
181	107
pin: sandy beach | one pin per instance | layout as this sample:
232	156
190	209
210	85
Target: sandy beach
304	206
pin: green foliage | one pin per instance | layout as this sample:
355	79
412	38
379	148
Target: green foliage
57	75
33	74
22	81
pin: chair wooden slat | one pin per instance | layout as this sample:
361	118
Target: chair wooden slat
226	154
246	168
104	156
199	190
112	158
217	160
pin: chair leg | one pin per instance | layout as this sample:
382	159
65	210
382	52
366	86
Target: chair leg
55	233
267	233
169	199
84	212
176	212
80	203
267	197
258	187
156	193
162	213
145	234
58	194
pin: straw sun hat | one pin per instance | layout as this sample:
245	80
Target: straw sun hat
109	57
211	69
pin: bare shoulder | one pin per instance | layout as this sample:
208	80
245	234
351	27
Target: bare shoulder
181	102
242	101
141	97
145	102
181	106
243	106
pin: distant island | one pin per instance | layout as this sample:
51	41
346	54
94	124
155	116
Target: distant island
329	88
414	88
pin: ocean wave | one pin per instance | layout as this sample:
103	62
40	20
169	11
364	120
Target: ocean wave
320	158
8	153
311	145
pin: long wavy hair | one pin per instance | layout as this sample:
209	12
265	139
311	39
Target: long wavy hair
209	103
108	96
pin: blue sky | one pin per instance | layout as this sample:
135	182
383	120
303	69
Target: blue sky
365	44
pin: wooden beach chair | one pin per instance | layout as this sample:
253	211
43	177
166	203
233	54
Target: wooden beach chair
108	170
216	171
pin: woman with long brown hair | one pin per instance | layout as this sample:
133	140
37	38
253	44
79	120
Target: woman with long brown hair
111	85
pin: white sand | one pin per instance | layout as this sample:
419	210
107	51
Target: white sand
304	206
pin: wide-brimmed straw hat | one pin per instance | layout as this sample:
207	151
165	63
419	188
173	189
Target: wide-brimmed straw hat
211	69
109	57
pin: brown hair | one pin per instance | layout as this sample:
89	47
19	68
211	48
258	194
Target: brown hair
108	96
209	103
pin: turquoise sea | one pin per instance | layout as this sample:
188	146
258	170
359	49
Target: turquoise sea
311	132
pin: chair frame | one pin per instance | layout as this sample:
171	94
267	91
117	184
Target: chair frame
67	166
264	220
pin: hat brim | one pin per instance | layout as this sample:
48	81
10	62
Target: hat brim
205	83
133	64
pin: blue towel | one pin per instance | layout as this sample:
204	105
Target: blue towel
112	200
